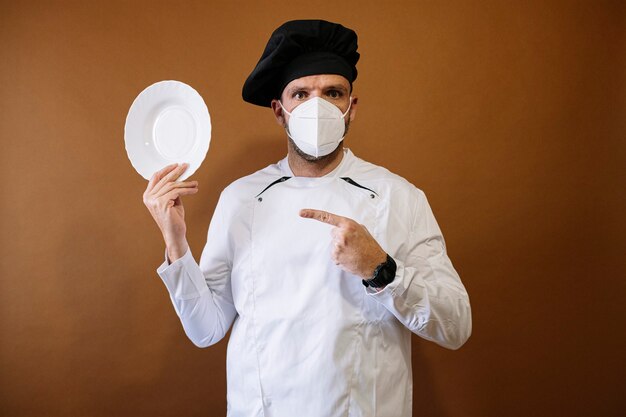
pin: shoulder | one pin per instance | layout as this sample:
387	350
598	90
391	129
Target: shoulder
404	201
246	188
382	180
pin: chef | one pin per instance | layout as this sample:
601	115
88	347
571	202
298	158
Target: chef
323	263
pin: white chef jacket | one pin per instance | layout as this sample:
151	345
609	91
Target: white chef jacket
308	339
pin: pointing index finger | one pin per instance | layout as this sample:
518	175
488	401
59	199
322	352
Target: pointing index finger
323	216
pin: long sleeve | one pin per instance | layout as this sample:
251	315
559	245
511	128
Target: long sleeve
427	295
201	294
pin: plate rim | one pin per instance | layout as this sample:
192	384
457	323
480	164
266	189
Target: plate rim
200	148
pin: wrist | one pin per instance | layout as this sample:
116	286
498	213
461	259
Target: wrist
176	250
383	275
368	272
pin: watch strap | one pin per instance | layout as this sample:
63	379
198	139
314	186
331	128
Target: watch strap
384	274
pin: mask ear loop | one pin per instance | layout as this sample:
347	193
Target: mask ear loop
349	107
343	117
285	110
286	124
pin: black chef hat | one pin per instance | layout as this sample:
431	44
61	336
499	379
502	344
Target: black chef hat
297	49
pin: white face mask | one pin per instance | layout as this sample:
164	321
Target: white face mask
316	126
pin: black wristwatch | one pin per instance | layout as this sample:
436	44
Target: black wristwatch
383	274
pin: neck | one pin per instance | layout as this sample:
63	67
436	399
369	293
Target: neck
318	167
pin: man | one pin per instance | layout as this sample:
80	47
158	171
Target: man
323	263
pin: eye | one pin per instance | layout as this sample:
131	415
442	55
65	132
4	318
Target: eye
299	95
334	94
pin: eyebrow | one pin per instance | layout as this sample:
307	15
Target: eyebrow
297	88
330	87
337	87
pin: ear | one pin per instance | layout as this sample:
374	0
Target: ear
278	113
355	101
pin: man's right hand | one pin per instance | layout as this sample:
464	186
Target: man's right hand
163	199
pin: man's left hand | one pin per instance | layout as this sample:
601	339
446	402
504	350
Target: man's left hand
354	249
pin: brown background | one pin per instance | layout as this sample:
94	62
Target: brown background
511	116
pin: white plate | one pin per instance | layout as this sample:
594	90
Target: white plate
167	123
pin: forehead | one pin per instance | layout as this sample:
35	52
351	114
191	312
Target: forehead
320	81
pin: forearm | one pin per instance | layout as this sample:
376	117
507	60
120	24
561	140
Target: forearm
206	314
430	300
